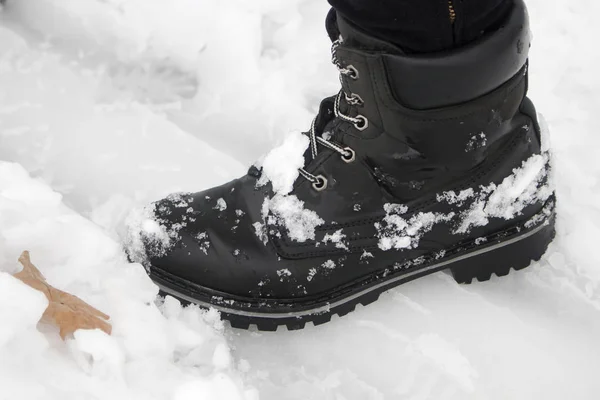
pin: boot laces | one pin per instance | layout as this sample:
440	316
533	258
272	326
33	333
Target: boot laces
360	122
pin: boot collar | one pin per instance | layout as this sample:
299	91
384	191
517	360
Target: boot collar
427	81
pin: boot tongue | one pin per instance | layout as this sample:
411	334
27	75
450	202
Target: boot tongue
325	119
354	37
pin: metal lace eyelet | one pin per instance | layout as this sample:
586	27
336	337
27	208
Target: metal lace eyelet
362	123
350	155
320	184
353	72
355	99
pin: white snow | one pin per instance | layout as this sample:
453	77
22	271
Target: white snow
289	212
396	232
109	105
284	273
456	198
507	200
221	205
155	351
139	224
203	241
366	255
280	166
261	232
337	238
476	142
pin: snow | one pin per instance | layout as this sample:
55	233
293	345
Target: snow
140	224
284	273
108	105
203	241
525	186
221	205
397	232
156	351
280	166
337	238
366	255
456	198
476	142
289	212
261	232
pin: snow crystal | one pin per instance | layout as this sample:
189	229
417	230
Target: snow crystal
507	200
453	198
221	205
544	134
261	232
366	255
289	212
221	357
284	273
396	232
142	229
395	208
203	241
480	241
179	200
476	142
329	264
337	238
280	166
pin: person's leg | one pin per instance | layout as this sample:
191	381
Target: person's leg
422	26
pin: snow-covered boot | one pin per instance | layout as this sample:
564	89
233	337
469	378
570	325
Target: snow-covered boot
420	164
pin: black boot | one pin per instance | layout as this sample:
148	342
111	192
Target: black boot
420	164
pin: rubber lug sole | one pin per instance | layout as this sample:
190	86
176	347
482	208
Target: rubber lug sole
501	254
499	262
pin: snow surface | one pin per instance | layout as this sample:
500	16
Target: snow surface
108	105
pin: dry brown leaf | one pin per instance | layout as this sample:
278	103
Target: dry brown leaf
66	311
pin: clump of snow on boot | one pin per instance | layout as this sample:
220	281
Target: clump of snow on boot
338	238
280	166
289	212
280	169
144	236
397	232
525	186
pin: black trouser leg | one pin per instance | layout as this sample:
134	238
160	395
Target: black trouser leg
423	26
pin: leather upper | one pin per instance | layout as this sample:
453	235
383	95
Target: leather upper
407	157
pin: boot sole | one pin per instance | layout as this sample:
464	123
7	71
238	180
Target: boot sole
514	248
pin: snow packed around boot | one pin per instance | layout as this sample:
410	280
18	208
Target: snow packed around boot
108	106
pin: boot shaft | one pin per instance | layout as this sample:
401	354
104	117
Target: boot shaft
433	118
